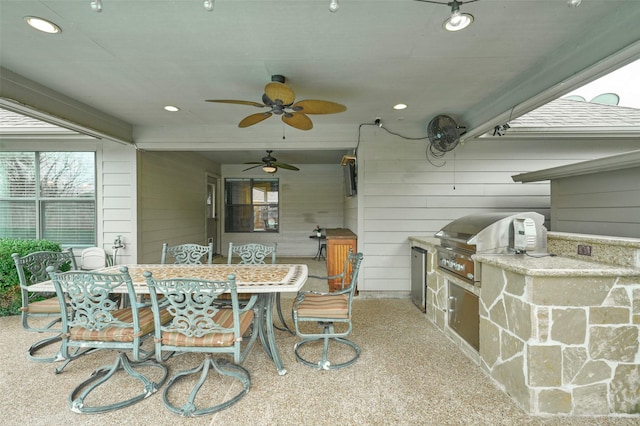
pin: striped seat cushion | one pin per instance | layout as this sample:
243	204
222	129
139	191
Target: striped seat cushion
224	317
324	306
47	306
121	334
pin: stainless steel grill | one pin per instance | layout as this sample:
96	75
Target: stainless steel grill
492	233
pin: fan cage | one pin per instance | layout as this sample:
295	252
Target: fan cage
443	133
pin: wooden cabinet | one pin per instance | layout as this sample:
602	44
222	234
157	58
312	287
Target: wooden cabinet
339	241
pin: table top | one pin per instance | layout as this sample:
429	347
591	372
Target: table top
267	278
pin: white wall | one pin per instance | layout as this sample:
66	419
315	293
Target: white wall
401	194
309	197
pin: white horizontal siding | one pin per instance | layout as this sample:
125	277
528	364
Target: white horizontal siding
118	212
402	194
604	203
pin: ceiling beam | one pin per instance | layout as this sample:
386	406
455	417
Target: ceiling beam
27	97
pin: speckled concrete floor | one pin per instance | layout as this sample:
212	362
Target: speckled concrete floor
408	374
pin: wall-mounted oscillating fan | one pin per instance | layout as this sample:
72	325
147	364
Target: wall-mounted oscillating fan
443	132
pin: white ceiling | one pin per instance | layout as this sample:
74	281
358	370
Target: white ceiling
118	68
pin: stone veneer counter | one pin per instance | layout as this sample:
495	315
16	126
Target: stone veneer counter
560	335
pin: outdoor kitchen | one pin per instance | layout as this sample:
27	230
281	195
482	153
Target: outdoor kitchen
558	314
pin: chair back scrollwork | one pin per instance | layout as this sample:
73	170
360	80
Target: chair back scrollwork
96	321
201	325
252	253
187	253
32	269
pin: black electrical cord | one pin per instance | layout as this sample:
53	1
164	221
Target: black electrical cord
542	255
430	151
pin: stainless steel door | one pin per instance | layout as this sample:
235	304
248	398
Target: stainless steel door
418	277
464	314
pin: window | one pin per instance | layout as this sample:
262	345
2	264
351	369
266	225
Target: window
48	195
251	205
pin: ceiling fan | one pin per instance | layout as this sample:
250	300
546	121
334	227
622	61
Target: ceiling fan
279	98
270	164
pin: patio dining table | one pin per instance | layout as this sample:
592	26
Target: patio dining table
263	280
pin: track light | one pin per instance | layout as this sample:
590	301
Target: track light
208	5
333	6
96	5
457	21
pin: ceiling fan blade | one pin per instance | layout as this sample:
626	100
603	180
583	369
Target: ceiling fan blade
276	90
284	166
231	101
253	162
254	119
297	120
252	167
311	106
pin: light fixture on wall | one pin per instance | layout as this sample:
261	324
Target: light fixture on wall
334	5
457	21
208	5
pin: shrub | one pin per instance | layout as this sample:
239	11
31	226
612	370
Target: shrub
9	281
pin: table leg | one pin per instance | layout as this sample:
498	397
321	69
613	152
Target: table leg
265	330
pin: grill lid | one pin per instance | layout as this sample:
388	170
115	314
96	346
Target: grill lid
487	232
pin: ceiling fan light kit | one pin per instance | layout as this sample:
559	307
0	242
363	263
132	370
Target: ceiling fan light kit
281	101
270	164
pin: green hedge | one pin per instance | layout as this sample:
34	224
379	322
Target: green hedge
9	281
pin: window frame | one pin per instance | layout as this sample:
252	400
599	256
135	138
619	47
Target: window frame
270	209
41	202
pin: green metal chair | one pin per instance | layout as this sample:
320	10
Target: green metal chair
187	253
257	254
95	321
32	269
327	309
201	325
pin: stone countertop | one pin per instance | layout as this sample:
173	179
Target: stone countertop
544	265
595	239
427	240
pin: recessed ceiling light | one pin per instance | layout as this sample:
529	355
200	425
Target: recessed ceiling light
42	25
400	106
172	108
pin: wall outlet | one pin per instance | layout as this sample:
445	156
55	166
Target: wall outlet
584	250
